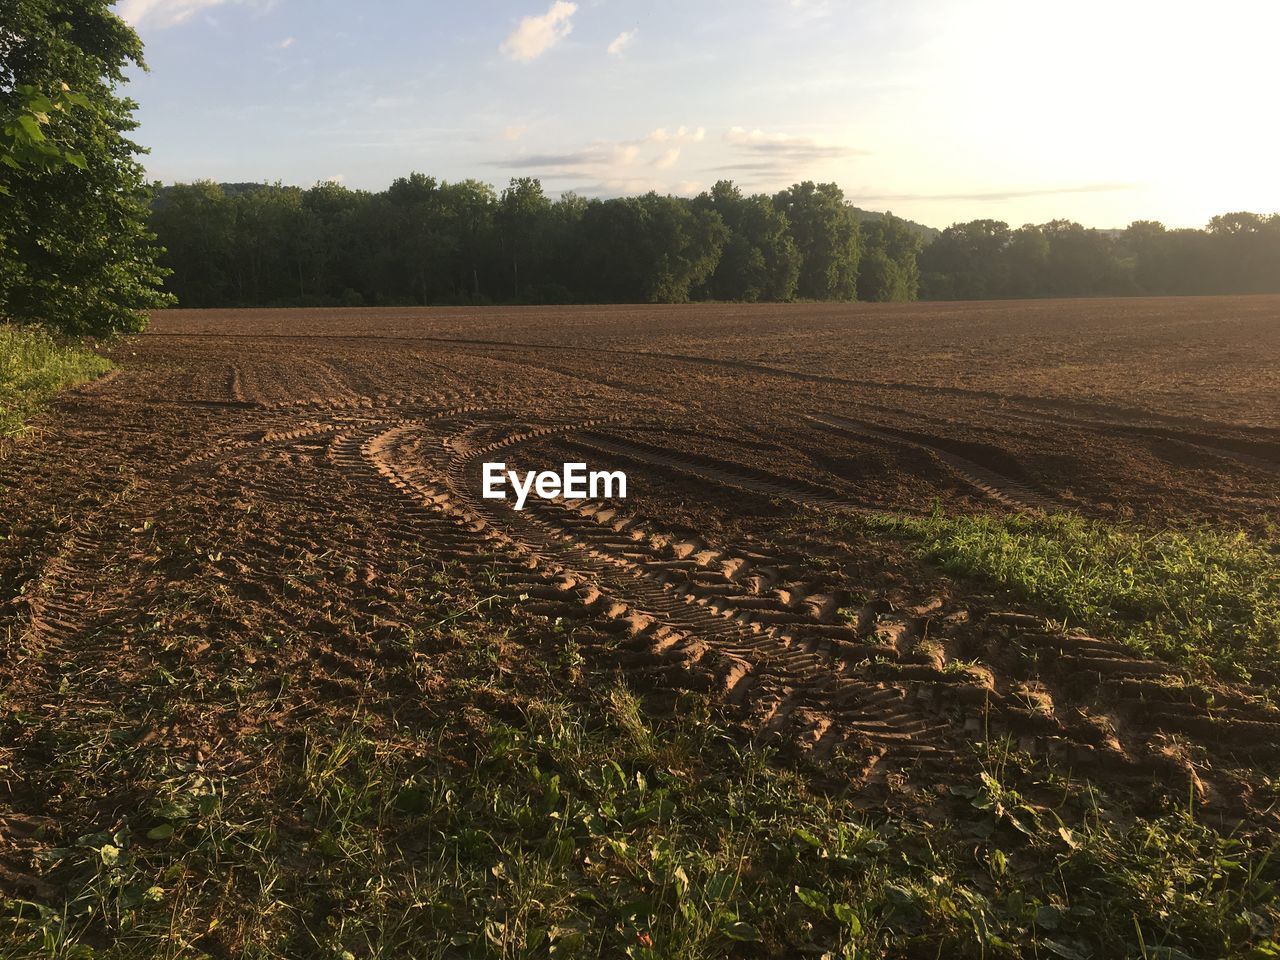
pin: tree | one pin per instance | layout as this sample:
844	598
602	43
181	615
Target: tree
759	261
197	223
966	262
427	241
888	269
1245	252
329	212
522	213
683	246
469	209
416	201
825	231
1081	262
1026	257
649	249
25	143
563	262
75	251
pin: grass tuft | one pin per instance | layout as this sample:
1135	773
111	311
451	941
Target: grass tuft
33	367
1202	598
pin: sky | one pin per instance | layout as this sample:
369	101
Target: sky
1100	111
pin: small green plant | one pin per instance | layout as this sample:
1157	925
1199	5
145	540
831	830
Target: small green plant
504	807
1198	597
33	367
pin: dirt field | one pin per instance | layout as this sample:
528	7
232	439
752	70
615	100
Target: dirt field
252	476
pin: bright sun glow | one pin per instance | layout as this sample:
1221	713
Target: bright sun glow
1155	102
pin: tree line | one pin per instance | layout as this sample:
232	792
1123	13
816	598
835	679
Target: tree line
985	259
426	241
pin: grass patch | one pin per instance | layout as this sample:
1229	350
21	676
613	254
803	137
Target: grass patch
1202	598
33	367
540	810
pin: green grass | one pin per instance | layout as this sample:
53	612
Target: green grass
33	367
545	812
1202	598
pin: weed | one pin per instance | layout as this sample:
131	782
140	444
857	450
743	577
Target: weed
1200	597
33	367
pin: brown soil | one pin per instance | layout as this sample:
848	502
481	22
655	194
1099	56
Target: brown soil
253	476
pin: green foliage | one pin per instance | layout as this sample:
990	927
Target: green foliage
199	226
74	249
888	270
826	232
965	262
1201	597
33	367
489	787
760	261
521	215
649	249
537	815
424	241
983	259
26	140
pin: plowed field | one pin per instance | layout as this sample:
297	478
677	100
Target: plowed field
250	476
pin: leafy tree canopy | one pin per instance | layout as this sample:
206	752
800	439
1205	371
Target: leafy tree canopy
75	251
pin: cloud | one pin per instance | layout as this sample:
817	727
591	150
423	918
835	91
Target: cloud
783	148
536	35
515	132
611	168
769	159
164	13
995	195
621	42
661	148
749	166
601	154
625	153
287	42
682	135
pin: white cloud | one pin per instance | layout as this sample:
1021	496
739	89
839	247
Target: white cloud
287	42
621	42
785	145
614	167
164	13
536	35
769	156
515	132
681	135
337	178
598	155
